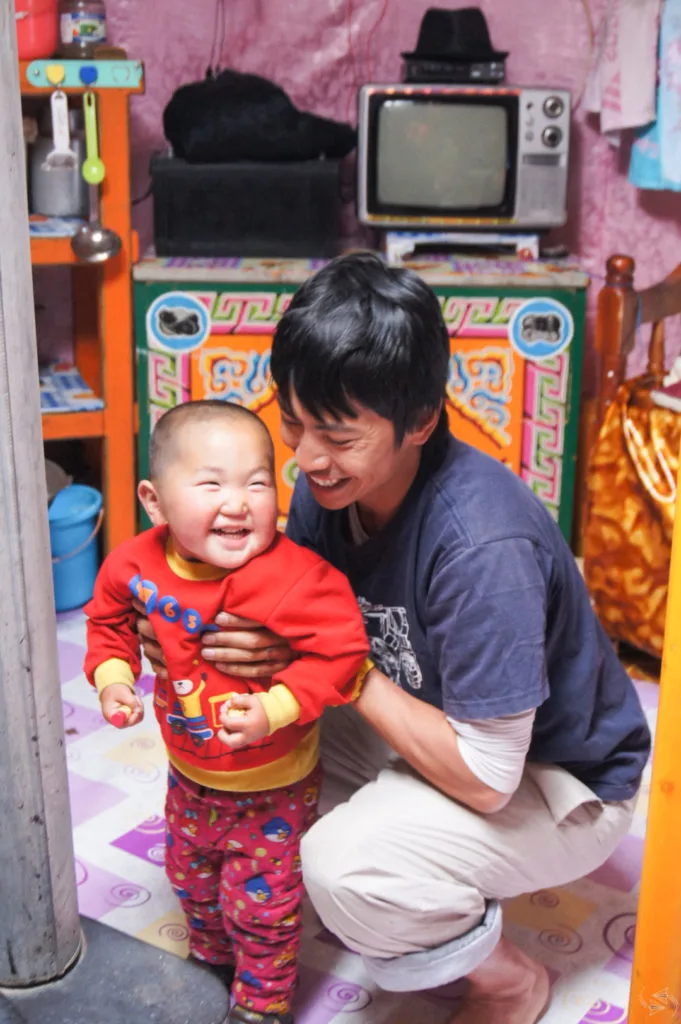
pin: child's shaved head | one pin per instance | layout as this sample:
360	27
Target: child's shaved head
162	448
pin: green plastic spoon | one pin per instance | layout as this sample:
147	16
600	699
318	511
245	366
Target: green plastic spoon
93	167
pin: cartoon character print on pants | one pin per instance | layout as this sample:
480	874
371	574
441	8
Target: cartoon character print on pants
233	860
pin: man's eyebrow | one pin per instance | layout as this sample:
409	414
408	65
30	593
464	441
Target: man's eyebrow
334	425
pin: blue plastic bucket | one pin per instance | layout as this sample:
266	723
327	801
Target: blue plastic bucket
75	517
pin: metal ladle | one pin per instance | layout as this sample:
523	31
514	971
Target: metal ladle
93	243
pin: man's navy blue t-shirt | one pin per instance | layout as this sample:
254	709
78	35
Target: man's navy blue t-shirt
473	602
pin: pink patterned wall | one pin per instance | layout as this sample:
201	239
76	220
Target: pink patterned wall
321	50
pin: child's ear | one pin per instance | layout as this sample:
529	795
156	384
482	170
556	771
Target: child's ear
148	495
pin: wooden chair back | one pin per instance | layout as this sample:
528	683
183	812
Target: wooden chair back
620	313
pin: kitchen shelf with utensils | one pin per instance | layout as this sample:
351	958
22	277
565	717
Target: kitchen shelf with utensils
100	251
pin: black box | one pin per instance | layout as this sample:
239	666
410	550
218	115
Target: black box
246	209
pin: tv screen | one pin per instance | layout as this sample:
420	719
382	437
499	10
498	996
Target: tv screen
439	155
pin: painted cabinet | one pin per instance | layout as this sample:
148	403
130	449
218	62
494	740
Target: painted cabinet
204	330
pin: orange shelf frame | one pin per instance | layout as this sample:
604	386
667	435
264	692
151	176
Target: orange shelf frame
103	323
63	426
51	252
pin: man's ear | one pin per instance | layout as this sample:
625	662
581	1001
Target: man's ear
428	423
148	495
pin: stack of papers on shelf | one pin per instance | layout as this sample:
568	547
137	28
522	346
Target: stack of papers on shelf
62	389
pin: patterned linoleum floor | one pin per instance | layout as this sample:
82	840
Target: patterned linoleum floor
583	932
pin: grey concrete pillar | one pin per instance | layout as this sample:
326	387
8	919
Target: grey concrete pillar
39	927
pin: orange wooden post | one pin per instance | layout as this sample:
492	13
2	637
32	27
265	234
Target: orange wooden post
656	977
610	320
613	301
116	337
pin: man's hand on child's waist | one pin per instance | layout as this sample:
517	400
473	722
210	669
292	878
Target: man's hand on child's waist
242	647
239	647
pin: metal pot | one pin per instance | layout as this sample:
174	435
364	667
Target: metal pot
58	191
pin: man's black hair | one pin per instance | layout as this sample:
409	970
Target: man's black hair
362	331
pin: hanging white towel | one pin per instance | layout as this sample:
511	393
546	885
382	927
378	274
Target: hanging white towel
622	80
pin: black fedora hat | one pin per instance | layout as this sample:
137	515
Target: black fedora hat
454	35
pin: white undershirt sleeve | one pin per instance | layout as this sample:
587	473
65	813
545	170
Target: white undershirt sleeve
495	749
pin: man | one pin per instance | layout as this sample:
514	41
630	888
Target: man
498	746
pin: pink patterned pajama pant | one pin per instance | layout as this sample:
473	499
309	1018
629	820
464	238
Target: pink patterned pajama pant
233	860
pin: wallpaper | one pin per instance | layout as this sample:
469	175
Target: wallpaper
319	51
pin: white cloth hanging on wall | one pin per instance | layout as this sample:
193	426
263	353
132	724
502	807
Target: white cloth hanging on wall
621	86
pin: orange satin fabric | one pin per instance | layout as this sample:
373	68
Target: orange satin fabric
631	490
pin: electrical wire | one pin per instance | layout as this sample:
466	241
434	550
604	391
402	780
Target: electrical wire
145	195
352	98
150	186
218	40
221	44
381	15
357	69
591	34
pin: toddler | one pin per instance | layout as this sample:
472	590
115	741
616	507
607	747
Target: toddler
243	775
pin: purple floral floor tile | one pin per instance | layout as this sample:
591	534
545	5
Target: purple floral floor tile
618	936
145	685
80	721
623	870
605	1013
89	798
649	693
70	660
321	997
146	841
63	618
100	891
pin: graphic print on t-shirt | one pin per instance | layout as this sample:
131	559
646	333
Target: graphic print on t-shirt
391	650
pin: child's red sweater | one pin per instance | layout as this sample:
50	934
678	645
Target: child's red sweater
290	590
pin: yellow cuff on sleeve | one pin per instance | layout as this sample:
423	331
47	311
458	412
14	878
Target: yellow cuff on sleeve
361	676
281	707
114	670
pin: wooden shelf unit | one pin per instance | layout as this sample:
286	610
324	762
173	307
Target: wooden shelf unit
52	252
103	322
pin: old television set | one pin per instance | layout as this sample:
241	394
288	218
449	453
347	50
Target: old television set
473	157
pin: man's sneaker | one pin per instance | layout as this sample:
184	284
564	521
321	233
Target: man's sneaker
223	972
240	1015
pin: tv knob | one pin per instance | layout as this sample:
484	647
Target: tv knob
552	136
553	106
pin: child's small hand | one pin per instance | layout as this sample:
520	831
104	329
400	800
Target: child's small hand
121	706
244	721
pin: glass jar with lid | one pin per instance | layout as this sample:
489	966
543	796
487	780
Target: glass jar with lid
82	27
